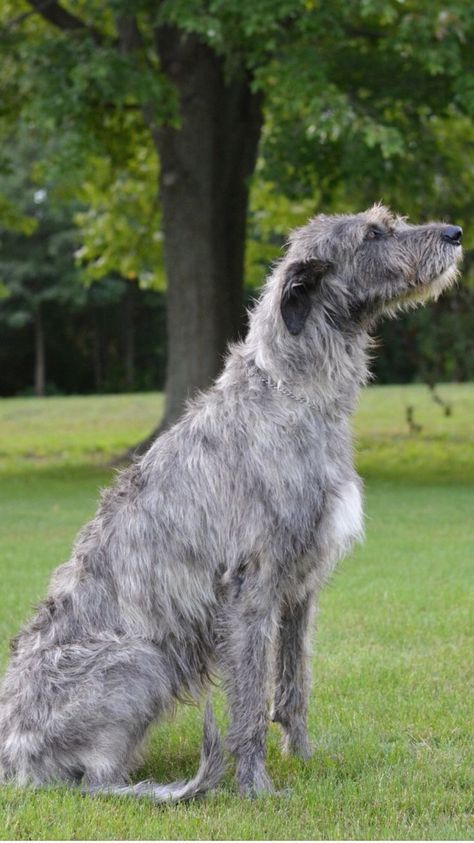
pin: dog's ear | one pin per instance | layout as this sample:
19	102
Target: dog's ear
301	279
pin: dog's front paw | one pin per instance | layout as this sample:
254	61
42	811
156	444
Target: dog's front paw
297	744
295	740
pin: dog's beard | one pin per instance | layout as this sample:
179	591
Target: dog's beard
433	289
425	291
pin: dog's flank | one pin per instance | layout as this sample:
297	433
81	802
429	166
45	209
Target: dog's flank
208	553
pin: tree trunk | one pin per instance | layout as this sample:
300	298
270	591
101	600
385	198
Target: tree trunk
97	353
129	335
40	355
205	167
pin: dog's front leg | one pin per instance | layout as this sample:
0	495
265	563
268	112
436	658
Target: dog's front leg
247	645
292	677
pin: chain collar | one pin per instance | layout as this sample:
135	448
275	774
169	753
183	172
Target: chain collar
279	387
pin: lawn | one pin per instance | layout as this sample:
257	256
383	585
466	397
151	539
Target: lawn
391	713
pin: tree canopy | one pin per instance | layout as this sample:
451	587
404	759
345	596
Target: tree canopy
349	103
362	101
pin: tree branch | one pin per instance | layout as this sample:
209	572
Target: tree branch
130	37
370	34
54	13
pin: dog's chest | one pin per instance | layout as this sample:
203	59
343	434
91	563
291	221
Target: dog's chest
344	519
339	527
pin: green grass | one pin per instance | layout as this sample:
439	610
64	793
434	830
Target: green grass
391	711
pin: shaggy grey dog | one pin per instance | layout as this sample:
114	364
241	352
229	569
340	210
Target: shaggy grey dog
209	552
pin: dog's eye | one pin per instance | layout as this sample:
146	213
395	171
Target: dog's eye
374	233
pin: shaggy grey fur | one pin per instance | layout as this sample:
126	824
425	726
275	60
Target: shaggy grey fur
209	552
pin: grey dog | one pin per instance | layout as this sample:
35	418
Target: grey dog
207	555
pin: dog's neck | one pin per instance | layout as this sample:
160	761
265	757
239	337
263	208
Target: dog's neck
324	367
264	378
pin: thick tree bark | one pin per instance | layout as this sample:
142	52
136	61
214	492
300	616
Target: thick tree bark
96	347
129	335
40	354
205	166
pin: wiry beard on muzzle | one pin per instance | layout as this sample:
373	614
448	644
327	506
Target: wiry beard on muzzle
417	292
423	292
431	288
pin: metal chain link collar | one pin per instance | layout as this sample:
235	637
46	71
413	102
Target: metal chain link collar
278	386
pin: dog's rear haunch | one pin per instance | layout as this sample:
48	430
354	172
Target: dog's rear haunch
208	553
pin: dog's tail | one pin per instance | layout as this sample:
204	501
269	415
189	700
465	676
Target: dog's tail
210	772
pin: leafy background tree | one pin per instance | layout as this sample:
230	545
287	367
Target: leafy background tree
36	261
79	332
248	117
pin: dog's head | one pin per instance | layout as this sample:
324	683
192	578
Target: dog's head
353	268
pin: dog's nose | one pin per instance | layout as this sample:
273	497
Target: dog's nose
453	234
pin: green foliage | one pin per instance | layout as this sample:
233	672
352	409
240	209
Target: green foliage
120	228
370	104
271	215
37	242
13	220
363	102
245	33
74	84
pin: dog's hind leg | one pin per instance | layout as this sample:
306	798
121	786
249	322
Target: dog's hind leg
78	714
80	710
292	676
210	772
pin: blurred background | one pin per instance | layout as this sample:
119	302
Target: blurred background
155	155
